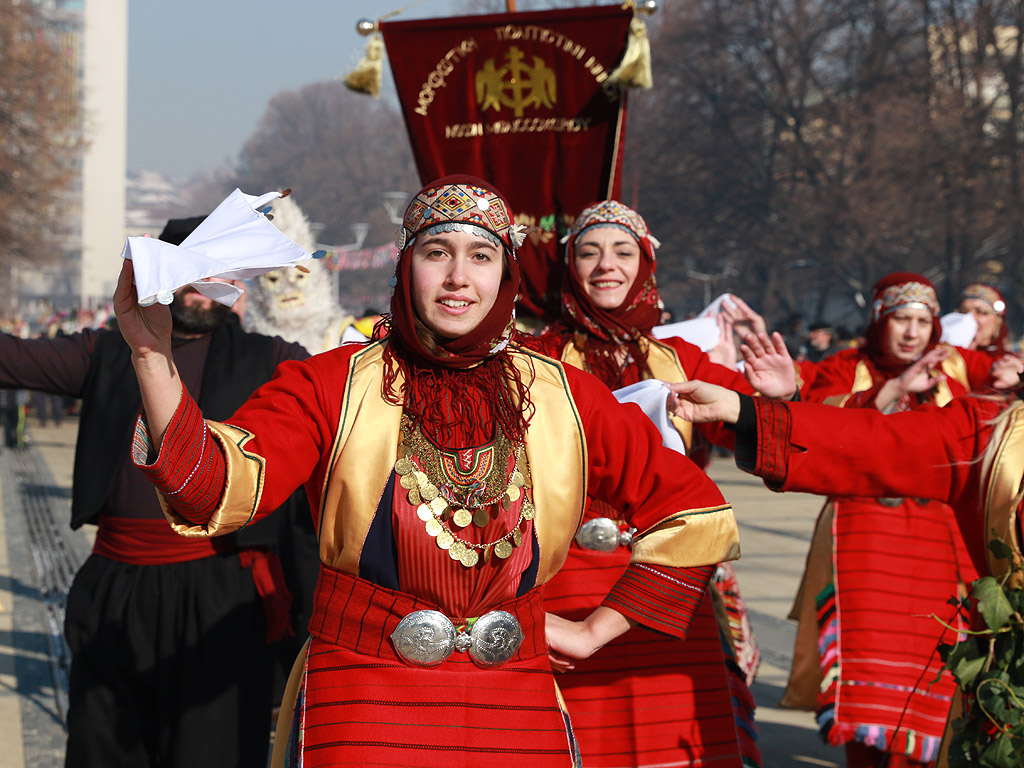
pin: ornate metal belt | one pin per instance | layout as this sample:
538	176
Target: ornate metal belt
427	638
603	534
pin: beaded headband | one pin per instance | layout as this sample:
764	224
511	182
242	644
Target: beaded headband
611	213
463	203
905	295
985	293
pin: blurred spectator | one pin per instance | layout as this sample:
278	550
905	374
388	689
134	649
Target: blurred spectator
821	342
792	331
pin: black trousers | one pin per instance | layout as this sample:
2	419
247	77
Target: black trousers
170	667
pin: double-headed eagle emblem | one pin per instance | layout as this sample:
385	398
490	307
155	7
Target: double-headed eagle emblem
516	84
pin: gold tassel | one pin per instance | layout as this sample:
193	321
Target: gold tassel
634	71
367	76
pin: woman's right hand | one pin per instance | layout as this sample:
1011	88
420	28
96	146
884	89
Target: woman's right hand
148	332
146	329
918	377
700	402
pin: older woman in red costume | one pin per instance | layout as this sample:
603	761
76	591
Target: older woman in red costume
988	307
447	467
865	654
647	699
968	454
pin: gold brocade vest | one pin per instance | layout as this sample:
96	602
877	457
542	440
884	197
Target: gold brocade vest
665	366
953	366
1001	491
364	452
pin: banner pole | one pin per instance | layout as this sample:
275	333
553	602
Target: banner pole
510	5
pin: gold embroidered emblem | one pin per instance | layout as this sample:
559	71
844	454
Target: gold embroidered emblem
516	84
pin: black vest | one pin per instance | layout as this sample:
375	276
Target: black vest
111	401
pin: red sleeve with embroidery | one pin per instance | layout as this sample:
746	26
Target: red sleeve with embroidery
660	597
927	453
770	456
190	469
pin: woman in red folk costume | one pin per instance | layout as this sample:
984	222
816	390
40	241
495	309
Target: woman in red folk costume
648	699
447	467
968	454
988	306
879	567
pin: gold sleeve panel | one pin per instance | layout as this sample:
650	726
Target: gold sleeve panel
838	401
1003	492
242	491
690	538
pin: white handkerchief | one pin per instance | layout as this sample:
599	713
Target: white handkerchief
234	242
652	396
702	331
959	329
712	309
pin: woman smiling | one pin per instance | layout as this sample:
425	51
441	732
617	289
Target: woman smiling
447	468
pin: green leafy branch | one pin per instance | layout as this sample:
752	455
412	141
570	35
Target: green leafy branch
988	665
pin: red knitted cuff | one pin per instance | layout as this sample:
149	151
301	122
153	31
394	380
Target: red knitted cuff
189	470
660	597
774	425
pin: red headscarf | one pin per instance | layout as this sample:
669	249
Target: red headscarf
437	381
607	332
899	290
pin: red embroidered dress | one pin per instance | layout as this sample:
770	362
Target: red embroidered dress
883	567
324	423
647	699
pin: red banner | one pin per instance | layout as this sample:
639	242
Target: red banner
522	100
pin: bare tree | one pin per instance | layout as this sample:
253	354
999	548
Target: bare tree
806	147
40	135
339	151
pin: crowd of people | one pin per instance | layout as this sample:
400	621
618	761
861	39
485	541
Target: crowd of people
497	546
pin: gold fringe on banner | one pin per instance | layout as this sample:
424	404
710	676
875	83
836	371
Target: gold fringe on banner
367	76
634	71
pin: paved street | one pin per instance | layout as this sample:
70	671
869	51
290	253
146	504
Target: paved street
38	553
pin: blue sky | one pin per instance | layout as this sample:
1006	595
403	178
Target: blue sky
200	72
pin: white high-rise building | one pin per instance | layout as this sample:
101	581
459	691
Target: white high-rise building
94	34
104	74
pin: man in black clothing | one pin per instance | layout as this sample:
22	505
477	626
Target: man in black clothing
171	664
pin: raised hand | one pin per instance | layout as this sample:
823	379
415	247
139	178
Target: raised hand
918	377
146	329
724	352
1006	372
148	332
769	367
744	320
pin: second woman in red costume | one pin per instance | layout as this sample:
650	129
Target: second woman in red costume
647	699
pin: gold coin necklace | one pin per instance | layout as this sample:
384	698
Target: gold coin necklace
466	497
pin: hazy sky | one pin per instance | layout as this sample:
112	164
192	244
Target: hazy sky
200	72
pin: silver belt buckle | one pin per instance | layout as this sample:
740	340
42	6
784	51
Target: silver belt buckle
495	638
424	638
427	638
603	535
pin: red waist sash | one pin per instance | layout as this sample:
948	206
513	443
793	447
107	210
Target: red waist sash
142	541
358	615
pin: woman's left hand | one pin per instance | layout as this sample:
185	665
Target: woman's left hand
1006	372
744	320
571	640
769	367
724	352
